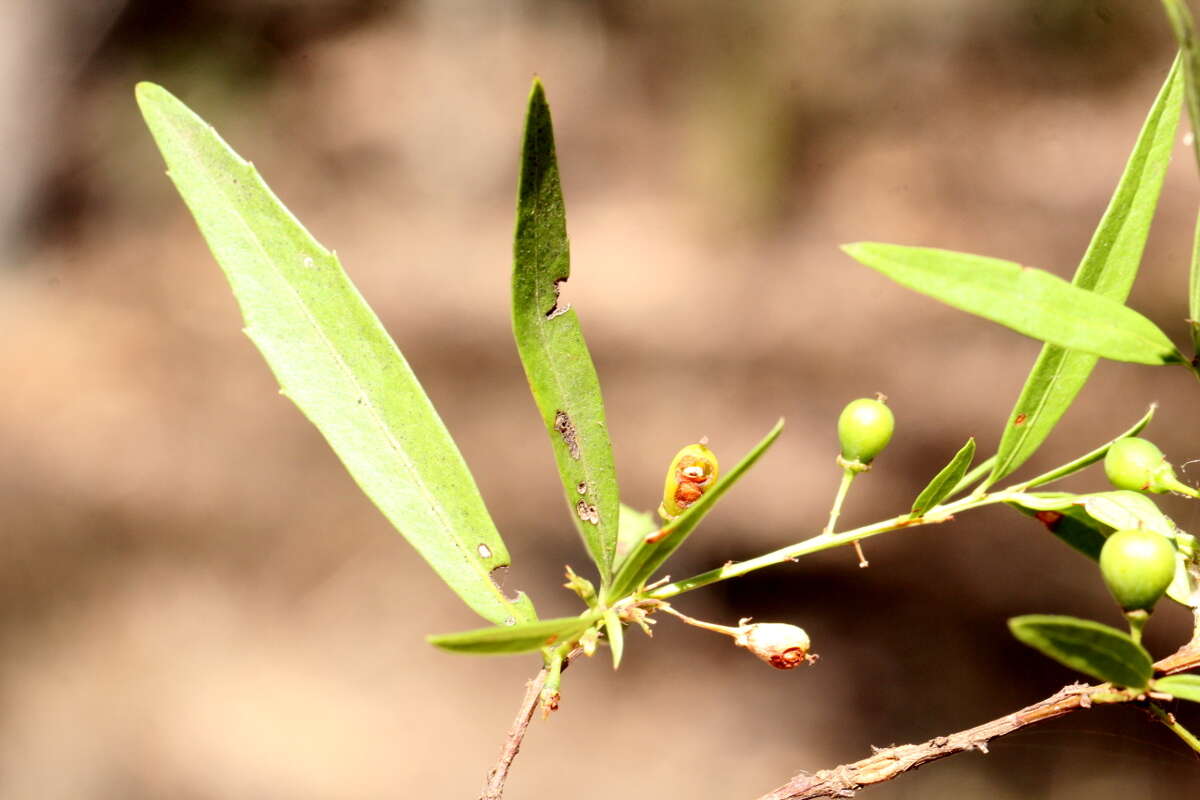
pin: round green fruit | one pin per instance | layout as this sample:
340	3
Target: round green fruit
1138	566
1138	464
864	429
1133	463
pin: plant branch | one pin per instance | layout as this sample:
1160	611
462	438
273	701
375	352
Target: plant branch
494	788
888	763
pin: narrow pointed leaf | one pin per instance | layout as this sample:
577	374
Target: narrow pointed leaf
507	639
1089	458
1181	687
1028	300
1108	268
977	472
334	359
945	481
557	364
1097	650
1182	25
616	636
645	558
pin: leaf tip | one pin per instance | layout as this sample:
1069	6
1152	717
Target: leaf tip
537	92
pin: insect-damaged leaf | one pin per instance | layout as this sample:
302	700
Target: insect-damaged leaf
647	557
1089	647
514	638
1028	300
334	359
1108	268
945	481
560	370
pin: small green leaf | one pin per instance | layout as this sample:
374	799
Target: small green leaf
505	639
977	472
1181	687
1030	301
1108	268
556	359
1121	509
635	526
646	557
616	636
945	481
1105	653
334	359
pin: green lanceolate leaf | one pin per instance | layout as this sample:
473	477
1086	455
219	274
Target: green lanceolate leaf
1105	653
560	370
334	359
945	481
616	636
1108	268
977	472
1030	301
647	557
1182	687
507	639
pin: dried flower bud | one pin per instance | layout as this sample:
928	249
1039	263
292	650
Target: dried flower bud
780	645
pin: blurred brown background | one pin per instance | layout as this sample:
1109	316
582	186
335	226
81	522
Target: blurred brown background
195	600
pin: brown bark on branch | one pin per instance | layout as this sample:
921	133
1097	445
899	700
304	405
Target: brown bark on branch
494	787
887	763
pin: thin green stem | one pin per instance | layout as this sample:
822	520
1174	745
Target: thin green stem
839	499
1137	622
826	541
848	475
1087	459
1168	719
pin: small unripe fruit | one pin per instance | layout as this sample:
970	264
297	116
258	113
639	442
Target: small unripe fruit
1138	566
864	429
1132	463
1138	464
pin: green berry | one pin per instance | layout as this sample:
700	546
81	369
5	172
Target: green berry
1138	566
864	429
1138	464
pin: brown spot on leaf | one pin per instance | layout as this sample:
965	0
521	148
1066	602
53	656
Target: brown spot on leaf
1049	518
1020	418
587	512
566	429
